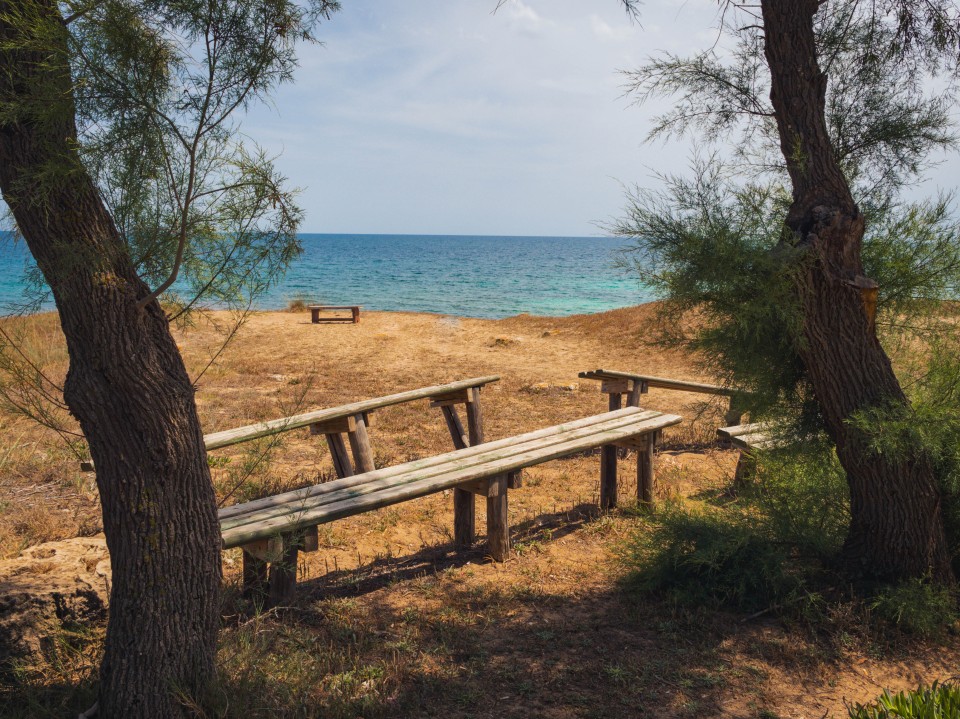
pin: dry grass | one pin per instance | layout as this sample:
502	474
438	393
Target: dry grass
388	620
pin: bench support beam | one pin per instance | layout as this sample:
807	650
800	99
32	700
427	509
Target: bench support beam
338	451
608	466
645	476
498	523
360	444
464	504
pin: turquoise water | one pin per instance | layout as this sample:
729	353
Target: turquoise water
471	276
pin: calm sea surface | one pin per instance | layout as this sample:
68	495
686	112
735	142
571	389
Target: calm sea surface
472	276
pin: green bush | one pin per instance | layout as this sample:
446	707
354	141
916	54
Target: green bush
803	498
708	556
939	701
918	607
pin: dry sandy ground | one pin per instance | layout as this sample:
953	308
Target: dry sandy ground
548	633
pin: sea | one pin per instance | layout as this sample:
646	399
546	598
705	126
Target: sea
463	275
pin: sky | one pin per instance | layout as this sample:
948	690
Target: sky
445	117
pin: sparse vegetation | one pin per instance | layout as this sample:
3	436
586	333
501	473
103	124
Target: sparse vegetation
390	623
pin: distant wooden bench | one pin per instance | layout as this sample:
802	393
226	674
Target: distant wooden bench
315	311
273	530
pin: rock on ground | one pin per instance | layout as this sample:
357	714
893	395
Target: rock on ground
48	588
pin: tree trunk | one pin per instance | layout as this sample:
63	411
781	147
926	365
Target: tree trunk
896	528
126	385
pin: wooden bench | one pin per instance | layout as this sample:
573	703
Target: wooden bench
748	438
634	385
273	530
354	419
315	311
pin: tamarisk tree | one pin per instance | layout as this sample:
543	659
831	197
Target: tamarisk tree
122	167
832	101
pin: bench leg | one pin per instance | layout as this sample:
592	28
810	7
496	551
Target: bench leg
608	466
464	504
338	451
498	525
283	574
360	444
464	518
645	477
746	468
315	316
254	579
355	312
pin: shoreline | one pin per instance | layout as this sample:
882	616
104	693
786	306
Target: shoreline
365	311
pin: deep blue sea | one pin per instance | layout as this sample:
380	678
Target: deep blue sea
471	276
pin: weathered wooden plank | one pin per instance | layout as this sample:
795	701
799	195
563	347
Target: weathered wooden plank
365	497
360	445
228	437
579	427
619	386
737	430
432	466
333	426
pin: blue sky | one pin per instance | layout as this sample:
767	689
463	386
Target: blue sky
441	116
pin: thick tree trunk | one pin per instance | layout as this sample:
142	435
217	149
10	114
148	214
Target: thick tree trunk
126	385
896	520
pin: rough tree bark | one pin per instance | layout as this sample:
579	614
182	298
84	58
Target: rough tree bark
128	388
896	521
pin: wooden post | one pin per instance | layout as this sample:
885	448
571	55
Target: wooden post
283	573
360	444
608	465
464	504
734	414
745	471
254	579
639	388
645	478
474	416
498	523
338	451
455	426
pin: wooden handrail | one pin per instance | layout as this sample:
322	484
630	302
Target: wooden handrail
662	382
228	437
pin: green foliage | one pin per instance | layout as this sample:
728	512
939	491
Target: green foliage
918	607
757	552
707	557
938	701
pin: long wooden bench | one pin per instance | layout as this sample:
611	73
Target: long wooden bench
273	530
